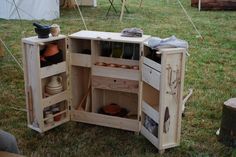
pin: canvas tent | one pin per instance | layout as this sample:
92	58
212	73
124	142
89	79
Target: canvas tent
30	9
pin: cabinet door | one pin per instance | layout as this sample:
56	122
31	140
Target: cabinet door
162	86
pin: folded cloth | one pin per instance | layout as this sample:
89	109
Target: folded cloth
132	32
156	43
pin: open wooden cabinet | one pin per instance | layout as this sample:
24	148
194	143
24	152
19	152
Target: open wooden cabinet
102	68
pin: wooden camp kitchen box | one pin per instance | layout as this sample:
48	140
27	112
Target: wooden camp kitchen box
100	69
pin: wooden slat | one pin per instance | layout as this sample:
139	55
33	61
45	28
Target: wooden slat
151	112
153	139
119	61
51	126
120	73
105	120
53	69
55	98
35	40
79	59
152	64
115	84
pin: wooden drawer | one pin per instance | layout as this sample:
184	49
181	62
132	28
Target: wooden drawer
151	76
109	83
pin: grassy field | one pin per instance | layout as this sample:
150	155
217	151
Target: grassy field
210	71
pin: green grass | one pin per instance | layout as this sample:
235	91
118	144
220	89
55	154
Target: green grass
210	71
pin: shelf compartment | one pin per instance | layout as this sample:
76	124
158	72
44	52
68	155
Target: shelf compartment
115	84
119	73
151	96
78	59
57	123
55	98
151	76
53	69
150	111
105	120
103	97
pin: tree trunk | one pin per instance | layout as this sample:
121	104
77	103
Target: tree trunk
68	3
228	123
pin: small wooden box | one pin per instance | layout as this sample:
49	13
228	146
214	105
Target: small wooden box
149	91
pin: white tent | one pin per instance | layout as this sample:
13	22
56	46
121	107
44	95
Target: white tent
30	9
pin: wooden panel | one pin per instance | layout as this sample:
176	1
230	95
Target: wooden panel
151	76
79	59
108	36
151	64
79	45
153	139
35	40
115	84
120	73
33	81
171	96
104	120
53	69
55	99
151	112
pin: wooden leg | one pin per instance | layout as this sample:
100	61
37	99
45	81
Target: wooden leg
162	151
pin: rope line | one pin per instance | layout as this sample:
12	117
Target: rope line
81	15
21	67
190	19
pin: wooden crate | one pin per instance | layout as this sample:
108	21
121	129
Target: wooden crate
142	86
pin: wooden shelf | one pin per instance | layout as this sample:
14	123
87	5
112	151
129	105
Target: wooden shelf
53	99
119	73
115	84
105	120
53	69
150	111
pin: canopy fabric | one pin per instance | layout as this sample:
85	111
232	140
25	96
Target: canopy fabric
30	9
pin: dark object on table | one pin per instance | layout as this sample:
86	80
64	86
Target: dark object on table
128	51
86	51
154	56
106	48
228	124
132	32
136	52
42	31
50	55
113	110
56	58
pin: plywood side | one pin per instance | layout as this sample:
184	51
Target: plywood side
34	82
